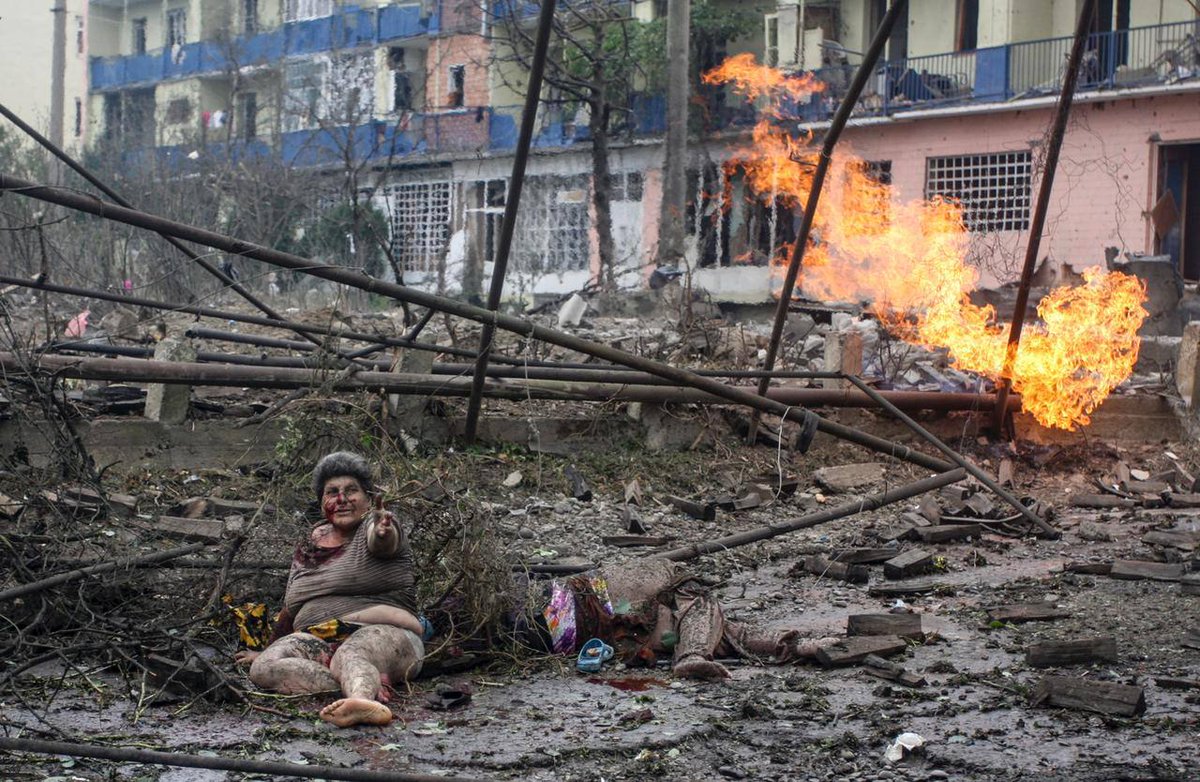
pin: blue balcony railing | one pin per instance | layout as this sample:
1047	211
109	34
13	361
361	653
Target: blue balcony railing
1123	58
352	27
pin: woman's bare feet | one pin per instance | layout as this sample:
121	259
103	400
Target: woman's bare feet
356	711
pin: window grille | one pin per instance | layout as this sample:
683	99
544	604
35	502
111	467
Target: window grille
625	187
554	228
994	188
299	10
420	222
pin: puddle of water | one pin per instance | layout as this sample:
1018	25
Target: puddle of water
628	683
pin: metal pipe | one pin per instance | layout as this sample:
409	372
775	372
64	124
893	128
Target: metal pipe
953	456
209	312
813	519
275	768
90	205
865	70
75	166
516	183
1038	222
254	374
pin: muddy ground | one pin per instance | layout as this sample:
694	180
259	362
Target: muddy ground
536	718
74	665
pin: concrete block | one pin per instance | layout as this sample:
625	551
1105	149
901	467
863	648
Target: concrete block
1157	354
168	404
1164	289
843	353
1185	364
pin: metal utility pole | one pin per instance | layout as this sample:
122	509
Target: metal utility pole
513	200
674	188
865	71
1038	221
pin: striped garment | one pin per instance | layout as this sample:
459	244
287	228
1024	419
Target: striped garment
337	582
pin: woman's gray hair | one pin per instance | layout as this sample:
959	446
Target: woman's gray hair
342	463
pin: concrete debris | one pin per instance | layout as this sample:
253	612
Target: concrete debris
849	477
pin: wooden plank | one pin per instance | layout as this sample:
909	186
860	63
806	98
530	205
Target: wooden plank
820	566
886	669
848	651
631	541
1146	487
1101	501
913	562
193	530
703	511
1189	585
913	586
903	625
1070	692
1035	612
1138	570
219	506
1184	540
1079	651
1172	683
1183	500
862	556
946	533
1093	568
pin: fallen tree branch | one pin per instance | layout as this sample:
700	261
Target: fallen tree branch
103	567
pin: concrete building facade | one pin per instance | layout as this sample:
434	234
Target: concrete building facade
47	90
425	94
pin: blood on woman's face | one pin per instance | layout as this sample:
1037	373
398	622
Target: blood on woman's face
344	502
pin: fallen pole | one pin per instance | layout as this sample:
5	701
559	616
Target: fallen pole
599	373
953	456
872	502
512	201
272	767
108	191
1038	222
104	567
865	70
90	205
257	320
255	375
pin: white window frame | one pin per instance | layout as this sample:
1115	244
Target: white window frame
175	28
301	10
771	52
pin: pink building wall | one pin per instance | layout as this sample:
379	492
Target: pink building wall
1105	185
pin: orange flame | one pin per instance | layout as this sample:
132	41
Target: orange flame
909	260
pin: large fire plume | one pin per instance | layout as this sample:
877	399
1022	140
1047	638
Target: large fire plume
909	260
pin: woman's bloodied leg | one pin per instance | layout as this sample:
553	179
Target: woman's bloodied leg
372	658
700	627
294	665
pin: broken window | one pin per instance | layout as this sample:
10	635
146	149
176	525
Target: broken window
420	222
112	116
79	35
994	189
708	214
78	118
248	114
299	10
304	84
351	87
401	81
554	228
179	111
176	27
625	187
458	83
138	36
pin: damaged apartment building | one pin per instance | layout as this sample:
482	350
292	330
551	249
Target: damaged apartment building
429	95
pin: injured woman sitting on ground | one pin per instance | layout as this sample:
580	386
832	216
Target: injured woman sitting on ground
349	620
